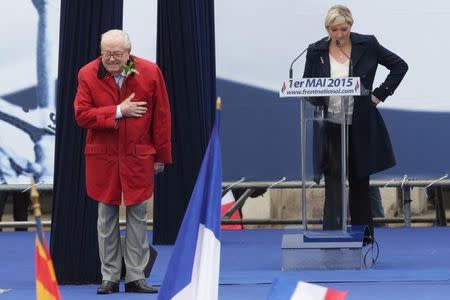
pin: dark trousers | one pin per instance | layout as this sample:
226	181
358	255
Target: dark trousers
359	200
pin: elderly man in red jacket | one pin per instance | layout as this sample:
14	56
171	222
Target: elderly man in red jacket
122	101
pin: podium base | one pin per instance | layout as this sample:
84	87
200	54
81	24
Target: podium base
327	250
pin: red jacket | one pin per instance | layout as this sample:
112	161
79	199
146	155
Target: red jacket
120	153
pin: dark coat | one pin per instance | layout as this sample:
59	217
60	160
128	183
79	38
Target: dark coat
371	147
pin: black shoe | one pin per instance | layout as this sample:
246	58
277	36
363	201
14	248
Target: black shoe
108	287
139	286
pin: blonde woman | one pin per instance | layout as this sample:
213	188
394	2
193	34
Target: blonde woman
370	150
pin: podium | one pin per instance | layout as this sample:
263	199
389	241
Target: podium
326	113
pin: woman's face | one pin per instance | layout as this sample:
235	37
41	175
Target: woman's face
340	32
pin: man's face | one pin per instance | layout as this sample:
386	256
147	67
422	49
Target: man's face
114	54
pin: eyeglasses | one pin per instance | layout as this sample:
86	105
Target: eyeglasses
115	54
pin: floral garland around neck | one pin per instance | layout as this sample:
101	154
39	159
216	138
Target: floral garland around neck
130	68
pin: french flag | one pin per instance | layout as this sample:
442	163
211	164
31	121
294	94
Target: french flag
228	201
193	270
309	291
300	290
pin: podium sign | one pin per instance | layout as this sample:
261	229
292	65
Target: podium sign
319	87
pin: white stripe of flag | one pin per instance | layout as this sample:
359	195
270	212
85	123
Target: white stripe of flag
309	291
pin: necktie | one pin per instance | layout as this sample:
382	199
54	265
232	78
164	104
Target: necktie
118	80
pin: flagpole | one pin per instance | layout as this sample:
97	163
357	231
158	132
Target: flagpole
34	196
218	111
219	103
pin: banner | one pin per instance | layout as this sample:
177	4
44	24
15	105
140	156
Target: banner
28	90
318	87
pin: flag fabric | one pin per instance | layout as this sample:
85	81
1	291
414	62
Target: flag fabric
289	288
46	284
309	291
193	270
228	201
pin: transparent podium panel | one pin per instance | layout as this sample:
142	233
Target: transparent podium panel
324	158
325	123
324	172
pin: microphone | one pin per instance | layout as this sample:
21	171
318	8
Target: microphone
292	63
339	45
300	55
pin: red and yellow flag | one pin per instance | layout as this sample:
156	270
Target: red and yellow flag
46	284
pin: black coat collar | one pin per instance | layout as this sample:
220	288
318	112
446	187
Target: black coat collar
356	39
102	70
359	44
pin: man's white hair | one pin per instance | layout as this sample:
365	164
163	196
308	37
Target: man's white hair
116	33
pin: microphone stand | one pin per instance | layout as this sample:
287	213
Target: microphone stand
344	145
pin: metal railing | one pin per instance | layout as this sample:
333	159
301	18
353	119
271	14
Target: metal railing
403	185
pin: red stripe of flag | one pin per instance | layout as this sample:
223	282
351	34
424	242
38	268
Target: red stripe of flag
46	284
227	202
335	294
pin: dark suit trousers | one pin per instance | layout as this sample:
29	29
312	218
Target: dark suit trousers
359	200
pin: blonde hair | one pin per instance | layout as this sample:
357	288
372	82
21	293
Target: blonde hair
338	14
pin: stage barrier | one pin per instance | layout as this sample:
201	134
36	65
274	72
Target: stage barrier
404	187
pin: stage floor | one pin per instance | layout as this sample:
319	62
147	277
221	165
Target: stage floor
414	263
